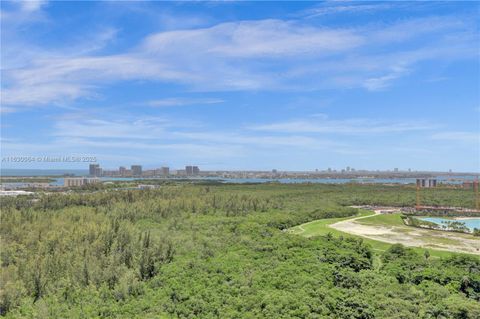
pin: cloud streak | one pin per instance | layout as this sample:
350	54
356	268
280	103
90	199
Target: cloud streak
167	102
243	55
463	137
322	124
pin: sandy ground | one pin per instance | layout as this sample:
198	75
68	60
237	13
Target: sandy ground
411	236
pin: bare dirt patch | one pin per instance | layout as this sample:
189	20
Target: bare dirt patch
410	236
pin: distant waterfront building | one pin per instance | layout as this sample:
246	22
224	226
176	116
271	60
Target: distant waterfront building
122	170
189	170
395	170
98	171
181	172
149	173
79	181
195	170
92	169
136	170
165	171
426	182
109	173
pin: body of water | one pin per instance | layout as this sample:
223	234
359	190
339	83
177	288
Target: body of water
78	172
280	180
42	172
470	223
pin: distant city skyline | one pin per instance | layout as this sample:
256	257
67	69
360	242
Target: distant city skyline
292	86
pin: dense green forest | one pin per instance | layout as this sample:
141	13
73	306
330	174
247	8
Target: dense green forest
207	250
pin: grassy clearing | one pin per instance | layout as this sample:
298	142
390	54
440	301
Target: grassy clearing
321	228
383	220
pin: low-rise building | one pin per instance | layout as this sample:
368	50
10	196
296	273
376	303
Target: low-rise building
136	170
147	186
14	193
181	172
79	181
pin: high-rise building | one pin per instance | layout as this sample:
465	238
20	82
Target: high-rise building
189	170
395	170
136	170
122	170
98	171
92	168
426	183
165	171
195	170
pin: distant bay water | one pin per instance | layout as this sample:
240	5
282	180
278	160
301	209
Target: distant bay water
42	172
79	172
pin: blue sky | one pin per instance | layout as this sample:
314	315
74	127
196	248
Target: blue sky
242	85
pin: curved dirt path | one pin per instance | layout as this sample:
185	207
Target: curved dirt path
410	236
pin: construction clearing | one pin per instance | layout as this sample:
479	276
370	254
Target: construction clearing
432	183
384	226
391	229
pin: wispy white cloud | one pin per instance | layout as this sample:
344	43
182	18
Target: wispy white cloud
343	7
59	79
242	55
6	109
32	5
271	38
91	133
378	83
458	136
183	101
143	152
44	93
153	140
322	124
138	128
161	130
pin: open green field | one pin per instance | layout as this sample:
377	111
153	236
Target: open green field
321	228
384	220
209	250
